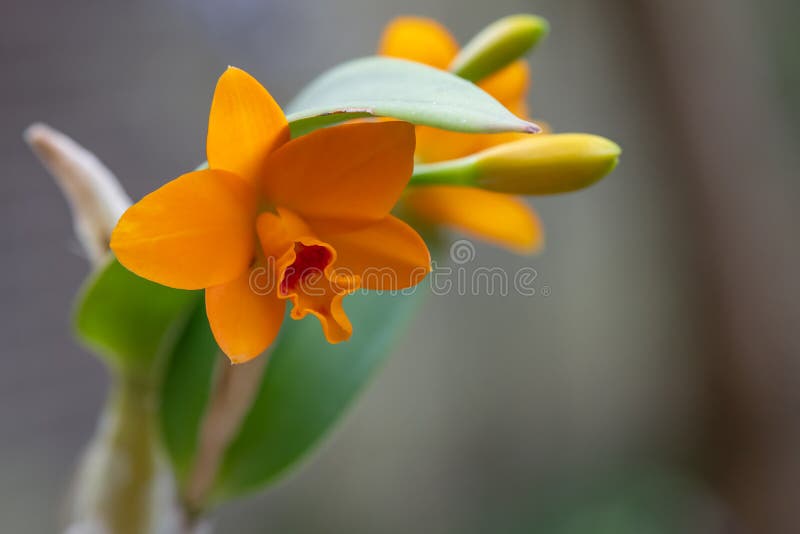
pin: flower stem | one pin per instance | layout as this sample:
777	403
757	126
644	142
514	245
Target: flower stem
453	172
233	394
123	485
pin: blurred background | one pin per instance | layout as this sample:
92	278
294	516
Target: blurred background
654	390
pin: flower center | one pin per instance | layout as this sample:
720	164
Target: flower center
309	260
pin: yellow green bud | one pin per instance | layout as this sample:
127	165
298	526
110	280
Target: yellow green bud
497	45
546	164
536	165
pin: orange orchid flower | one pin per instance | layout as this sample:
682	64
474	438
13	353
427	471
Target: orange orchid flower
499	218
272	220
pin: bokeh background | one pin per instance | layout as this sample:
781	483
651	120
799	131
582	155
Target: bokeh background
656	389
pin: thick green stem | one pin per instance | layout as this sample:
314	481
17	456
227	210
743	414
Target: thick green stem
123	485
454	172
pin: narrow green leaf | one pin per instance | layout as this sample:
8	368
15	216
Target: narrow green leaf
498	45
389	87
307	386
186	388
127	319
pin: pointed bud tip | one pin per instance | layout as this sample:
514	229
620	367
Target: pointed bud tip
44	140
498	45
532	24
597	146
34	133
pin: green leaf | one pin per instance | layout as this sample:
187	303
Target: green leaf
158	335
127	320
389	87
630	499
186	388
498	45
162	335
307	386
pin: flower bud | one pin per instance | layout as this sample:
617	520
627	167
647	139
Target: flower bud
535	165
497	45
546	164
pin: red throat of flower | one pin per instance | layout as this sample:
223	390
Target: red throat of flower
310	260
314	291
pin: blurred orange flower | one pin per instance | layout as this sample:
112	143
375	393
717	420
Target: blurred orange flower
499	218
273	219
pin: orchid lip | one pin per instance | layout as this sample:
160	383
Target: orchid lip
309	260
